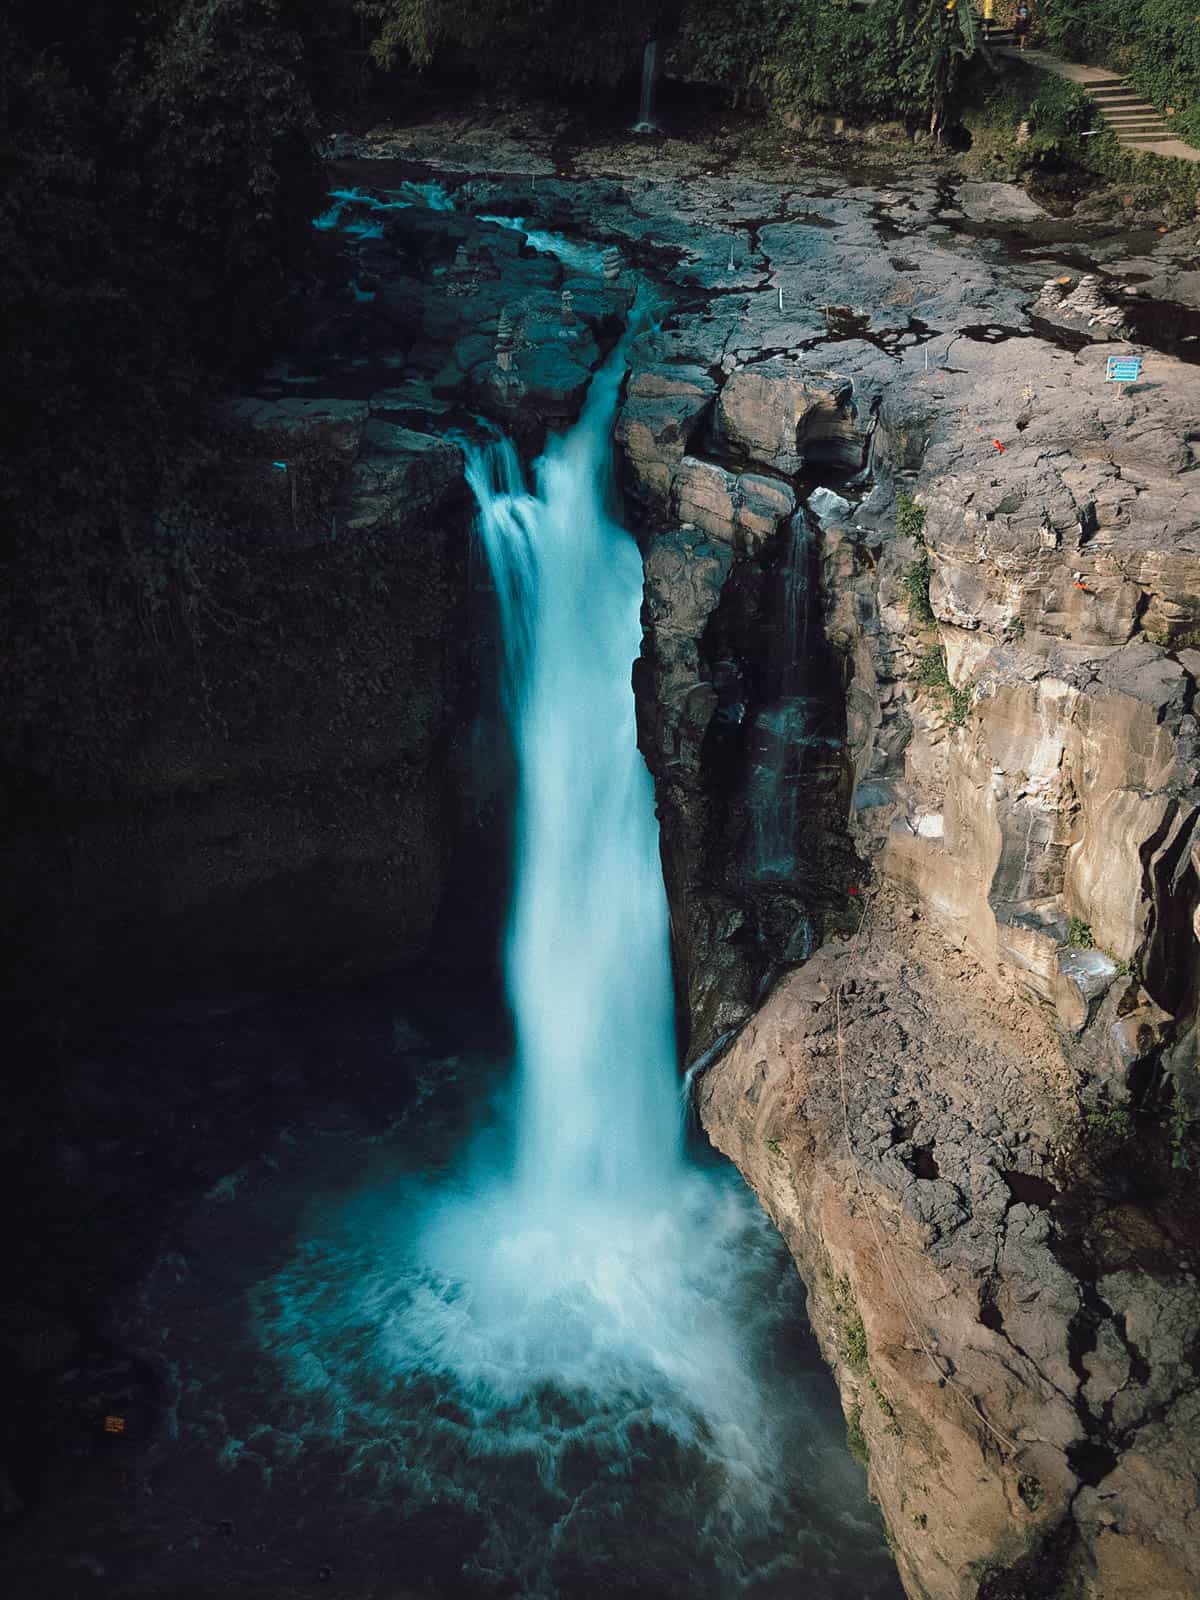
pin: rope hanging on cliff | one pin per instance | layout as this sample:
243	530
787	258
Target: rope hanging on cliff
887	1260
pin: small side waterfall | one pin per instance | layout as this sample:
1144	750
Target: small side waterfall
645	122
784	729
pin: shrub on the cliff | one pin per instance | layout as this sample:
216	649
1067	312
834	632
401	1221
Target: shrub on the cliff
932	674
931	669
910	517
915	584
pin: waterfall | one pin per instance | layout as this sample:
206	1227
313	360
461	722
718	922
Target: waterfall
557	1346
645	122
783	729
588	958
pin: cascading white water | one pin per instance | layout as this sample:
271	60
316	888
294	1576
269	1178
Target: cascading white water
588	950
568	1339
645	122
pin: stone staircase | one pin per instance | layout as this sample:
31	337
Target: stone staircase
994	34
1132	119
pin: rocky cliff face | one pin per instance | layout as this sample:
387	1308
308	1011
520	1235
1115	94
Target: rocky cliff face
962	1110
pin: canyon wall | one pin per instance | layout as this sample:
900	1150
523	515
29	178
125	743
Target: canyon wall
971	1109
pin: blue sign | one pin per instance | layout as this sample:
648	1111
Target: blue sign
1123	369
280	466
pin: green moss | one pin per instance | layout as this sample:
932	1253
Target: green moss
1030	1490
853	1333
856	1439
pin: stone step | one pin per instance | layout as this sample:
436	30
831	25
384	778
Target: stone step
1143	138
1130	119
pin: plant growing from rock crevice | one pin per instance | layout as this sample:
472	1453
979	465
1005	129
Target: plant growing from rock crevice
856	1439
932	674
915	584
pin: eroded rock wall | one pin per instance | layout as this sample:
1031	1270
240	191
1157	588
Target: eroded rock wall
954	1108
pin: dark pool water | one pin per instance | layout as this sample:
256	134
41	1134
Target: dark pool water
313	1405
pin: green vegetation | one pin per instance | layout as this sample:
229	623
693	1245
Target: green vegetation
931	669
1183	1127
856	1439
910	518
910	524
1057	114
1079	934
915	584
160	178
881	1400
895	58
854	1334
518	38
920	1520
1105	1129
931	674
1030	1490
1156	43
